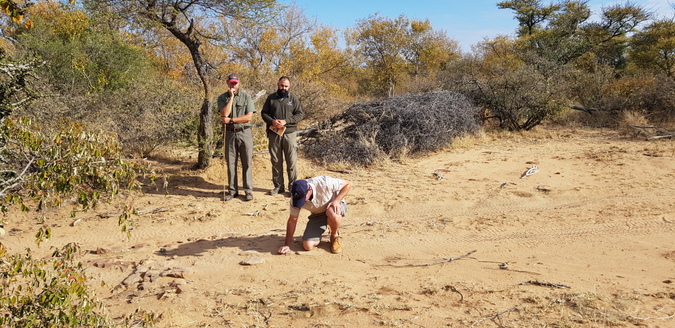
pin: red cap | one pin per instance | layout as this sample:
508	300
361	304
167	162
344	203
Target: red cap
232	78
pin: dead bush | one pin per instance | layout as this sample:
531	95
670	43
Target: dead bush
393	128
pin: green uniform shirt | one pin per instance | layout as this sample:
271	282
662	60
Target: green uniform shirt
242	105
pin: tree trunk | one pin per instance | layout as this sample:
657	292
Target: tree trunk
205	130
205	136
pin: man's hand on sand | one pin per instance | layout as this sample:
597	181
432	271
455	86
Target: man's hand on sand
284	249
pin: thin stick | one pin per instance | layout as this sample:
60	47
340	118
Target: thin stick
445	260
452	288
225	181
655	318
546	284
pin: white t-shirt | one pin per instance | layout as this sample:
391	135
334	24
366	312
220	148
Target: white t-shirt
324	190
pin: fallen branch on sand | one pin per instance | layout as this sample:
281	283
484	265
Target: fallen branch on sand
546	284
652	132
445	260
589	110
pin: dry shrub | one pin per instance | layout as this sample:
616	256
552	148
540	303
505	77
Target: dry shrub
631	117
320	101
392	128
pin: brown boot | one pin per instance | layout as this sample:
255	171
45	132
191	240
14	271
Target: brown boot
335	245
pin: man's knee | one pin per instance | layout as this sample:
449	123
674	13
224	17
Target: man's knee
333	215
308	245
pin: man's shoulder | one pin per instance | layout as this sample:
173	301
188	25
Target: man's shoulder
293	96
322	179
272	96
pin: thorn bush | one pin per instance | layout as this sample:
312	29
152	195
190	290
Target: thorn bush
408	125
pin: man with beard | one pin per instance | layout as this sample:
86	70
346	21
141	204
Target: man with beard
282	112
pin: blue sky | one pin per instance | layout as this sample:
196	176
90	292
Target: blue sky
466	21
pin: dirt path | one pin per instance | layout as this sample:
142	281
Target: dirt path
597	217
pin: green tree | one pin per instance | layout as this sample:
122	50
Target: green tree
561	32
653	48
520	91
382	42
80	57
531	14
192	22
608	39
395	49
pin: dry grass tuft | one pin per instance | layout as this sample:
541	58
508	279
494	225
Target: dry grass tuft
628	118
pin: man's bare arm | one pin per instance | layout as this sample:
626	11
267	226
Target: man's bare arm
290	231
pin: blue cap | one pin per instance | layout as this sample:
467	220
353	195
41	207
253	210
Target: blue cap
299	192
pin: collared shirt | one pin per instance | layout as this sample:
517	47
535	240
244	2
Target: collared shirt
324	191
242	105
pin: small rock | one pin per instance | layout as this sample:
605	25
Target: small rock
103	263
152	275
102	250
177	272
132	279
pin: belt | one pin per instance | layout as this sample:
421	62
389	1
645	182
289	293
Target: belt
237	129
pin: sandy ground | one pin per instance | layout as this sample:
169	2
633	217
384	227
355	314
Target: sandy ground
586	241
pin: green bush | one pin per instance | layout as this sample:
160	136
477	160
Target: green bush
47	292
43	169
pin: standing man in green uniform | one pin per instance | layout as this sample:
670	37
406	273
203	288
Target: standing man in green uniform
236	110
282	112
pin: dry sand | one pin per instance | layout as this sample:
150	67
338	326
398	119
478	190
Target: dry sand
587	241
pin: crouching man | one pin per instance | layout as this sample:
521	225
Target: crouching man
323	197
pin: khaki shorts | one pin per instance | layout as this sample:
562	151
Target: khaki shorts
318	224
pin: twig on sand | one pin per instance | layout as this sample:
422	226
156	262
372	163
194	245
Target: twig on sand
655	318
445	260
452	288
546	284
496	317
153	210
137	211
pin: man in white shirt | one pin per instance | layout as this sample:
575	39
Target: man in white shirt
323	197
